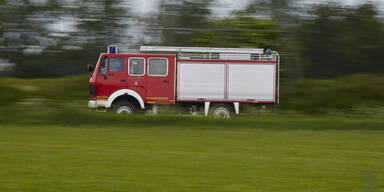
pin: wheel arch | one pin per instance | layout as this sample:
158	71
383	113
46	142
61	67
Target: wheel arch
119	94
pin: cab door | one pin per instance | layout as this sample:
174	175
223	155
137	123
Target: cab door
160	80
111	76
136	74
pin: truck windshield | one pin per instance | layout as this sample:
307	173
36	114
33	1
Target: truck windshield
104	66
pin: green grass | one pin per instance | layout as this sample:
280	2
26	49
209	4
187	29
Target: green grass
145	153
66	89
356	93
50	141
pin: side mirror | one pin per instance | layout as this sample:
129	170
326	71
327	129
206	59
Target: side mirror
91	68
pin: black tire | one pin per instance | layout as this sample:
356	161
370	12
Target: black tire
125	108
222	111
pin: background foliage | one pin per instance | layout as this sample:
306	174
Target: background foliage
341	41
58	37
331	54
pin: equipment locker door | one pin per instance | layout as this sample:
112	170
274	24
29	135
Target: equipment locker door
160	80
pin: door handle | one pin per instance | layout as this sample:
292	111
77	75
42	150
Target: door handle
110	74
123	80
165	81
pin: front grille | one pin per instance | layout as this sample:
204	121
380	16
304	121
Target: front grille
92	89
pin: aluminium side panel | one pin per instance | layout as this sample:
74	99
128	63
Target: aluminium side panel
252	82
201	81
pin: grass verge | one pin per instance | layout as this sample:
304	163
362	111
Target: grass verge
192	154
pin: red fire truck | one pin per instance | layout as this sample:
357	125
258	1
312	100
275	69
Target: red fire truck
206	80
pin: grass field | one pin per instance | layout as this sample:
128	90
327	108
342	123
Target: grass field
194	154
326	135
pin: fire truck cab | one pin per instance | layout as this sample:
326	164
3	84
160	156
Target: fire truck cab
197	76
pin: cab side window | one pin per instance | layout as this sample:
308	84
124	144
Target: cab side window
103	66
116	65
158	67
136	66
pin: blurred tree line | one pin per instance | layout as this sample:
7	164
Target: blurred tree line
57	37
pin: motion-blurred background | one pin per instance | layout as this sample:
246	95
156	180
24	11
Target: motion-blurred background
332	51
325	135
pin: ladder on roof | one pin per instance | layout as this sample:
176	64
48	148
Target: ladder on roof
209	52
200	50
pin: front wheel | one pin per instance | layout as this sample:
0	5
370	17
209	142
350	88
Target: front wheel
222	112
125	108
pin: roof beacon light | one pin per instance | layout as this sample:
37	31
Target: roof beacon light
112	49
268	52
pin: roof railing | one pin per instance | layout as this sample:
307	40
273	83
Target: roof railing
208	53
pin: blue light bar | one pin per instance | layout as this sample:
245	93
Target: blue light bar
268	52
112	49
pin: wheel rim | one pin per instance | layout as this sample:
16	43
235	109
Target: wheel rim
222	113
124	110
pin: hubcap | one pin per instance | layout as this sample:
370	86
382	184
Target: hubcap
221	113
124	110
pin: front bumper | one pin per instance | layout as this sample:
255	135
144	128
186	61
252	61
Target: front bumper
93	104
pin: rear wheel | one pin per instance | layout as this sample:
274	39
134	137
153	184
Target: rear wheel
222	112
125	108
